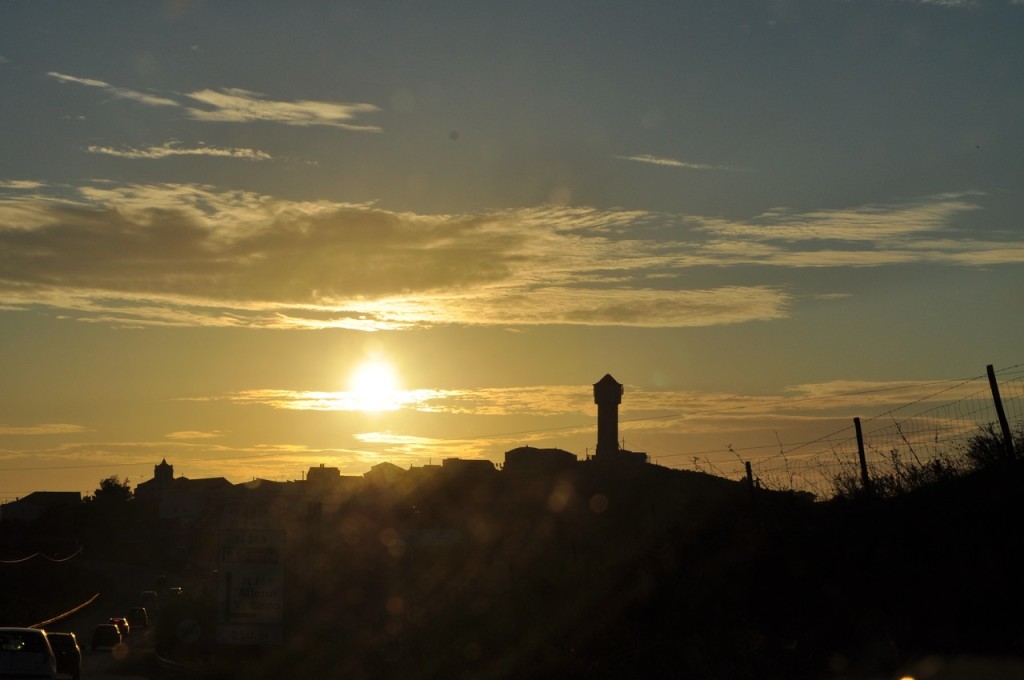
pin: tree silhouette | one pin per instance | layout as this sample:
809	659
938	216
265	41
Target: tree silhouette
113	491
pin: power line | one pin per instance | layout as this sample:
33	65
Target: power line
73	467
740	407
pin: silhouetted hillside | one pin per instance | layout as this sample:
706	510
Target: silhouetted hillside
631	570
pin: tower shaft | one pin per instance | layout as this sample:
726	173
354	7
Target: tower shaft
607	396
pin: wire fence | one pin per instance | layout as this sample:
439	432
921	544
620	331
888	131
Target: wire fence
934	431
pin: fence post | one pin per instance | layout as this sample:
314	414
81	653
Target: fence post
1000	413
864	479
750	478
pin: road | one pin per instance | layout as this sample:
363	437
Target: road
134	659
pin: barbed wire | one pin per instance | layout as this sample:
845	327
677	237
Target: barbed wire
933	434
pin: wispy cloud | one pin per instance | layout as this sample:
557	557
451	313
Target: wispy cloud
947	3
874	223
533	401
196	255
575	400
21	184
43	429
194	434
174	148
119	92
673	163
234	105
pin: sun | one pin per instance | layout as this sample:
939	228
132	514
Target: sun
375	386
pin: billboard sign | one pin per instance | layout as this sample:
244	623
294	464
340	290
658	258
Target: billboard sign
250	593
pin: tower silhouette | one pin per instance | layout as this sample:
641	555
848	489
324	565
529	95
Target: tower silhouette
163	473
607	396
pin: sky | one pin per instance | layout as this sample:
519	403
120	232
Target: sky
253	238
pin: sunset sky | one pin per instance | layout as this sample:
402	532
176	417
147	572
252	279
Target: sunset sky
763	218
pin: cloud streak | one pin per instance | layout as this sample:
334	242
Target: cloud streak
173	148
825	398
194	255
119	92
235	105
45	429
673	163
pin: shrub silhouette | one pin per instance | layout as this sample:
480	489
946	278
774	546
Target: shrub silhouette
905	472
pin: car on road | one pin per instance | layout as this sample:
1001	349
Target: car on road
138	617
26	653
122	625
105	636
69	654
150	600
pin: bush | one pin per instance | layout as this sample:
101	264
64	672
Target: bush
904	473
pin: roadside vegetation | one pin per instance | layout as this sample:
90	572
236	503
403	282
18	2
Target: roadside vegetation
906	470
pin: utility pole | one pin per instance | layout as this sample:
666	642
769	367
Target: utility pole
1001	414
864	479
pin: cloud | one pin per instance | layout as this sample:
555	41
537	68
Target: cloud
407	450
533	401
21	184
193	434
673	163
173	148
119	92
577	400
187	255
234	105
946	3
44	429
875	223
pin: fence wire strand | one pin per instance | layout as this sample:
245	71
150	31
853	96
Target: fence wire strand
898	441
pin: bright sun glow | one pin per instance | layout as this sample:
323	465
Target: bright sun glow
375	386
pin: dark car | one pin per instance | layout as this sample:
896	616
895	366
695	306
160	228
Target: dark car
122	625
68	653
26	653
150	600
138	617
106	636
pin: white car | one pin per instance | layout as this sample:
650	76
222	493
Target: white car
26	653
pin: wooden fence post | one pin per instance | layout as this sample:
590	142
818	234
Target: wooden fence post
864	479
1000	413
